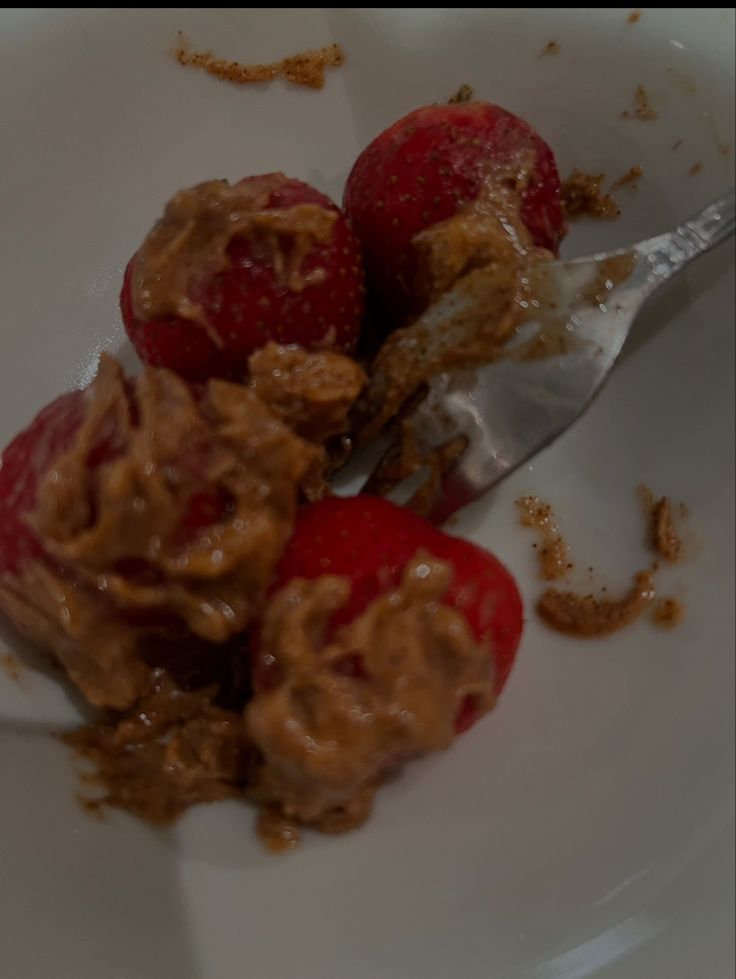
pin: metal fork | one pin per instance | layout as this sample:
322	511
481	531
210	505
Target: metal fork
505	411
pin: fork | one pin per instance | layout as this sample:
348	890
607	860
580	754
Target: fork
485	420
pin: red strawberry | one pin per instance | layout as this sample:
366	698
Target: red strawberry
425	168
249	301
369	540
22	465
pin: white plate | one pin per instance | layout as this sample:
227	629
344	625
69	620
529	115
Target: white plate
584	829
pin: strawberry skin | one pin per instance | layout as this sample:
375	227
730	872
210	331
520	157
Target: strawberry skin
247	305
426	167
22	464
370	540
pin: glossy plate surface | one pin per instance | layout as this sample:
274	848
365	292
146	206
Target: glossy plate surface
585	829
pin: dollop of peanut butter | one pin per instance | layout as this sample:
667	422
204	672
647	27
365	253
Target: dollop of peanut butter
188	246
171	508
385	688
311	392
487	230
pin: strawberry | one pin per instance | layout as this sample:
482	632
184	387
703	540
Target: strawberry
369	541
22	465
246	297
425	168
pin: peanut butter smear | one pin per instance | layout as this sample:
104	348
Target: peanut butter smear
306	68
170	510
553	555
590	615
385	688
311	392
595	615
187	247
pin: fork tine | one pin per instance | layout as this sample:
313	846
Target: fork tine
472	429
476	424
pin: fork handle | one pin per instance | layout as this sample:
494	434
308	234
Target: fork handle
668	253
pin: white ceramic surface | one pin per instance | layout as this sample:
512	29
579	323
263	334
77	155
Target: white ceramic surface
586	827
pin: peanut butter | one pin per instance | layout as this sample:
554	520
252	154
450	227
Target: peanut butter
125	549
188	246
668	613
306	68
484	252
176	750
310	392
591	615
347	709
583	196
553	555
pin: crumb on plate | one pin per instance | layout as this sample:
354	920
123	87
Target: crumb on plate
668	613
663	535
643	108
463	94
553	556
583	196
629	178
11	664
